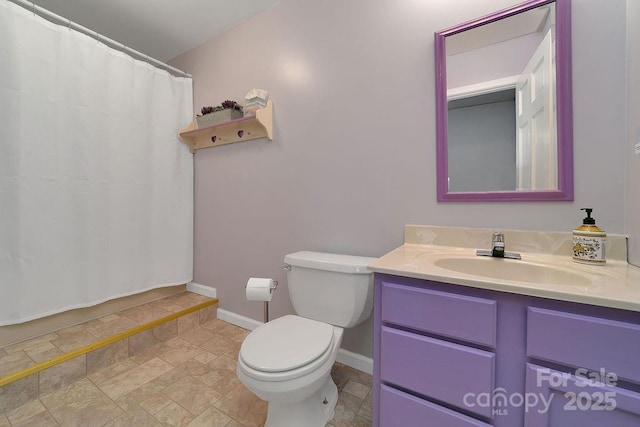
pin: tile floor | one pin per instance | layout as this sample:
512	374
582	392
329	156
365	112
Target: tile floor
18	356
187	380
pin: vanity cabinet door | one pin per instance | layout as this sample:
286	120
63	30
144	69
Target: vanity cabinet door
402	409
563	399
446	314
437	369
584	342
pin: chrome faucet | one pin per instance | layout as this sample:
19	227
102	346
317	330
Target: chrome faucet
497	248
497	245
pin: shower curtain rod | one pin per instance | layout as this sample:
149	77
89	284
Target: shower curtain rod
106	40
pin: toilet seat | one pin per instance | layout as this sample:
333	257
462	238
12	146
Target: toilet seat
286	348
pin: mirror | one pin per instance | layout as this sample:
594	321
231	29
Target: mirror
504	126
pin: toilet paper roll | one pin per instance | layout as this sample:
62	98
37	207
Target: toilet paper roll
260	289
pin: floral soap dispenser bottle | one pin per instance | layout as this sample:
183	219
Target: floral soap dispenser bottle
589	241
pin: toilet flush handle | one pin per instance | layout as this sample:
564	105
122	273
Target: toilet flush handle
286	267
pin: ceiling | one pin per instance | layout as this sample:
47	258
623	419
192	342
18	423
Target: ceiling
162	29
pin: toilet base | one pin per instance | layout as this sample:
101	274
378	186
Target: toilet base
311	412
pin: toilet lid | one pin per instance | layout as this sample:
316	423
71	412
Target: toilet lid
286	343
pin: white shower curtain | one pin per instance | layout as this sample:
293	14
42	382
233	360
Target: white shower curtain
96	190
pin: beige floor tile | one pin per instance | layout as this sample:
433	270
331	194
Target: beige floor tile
148	354
107	356
341	375
71	330
143	341
178	351
208	313
13	362
106	329
346	409
188	322
199	336
174	415
357	389
215	324
366	410
102	375
73	341
96	412
356	375
202	389
180	371
205	357
144	313
4	422
39	348
131	400
220	345
45	355
187	299
93	323
243	406
43	419
137	417
109	318
31	342
73	396
360	422
192	394
167	305
25	412
63	374
211	417
155	403
19	393
219	374
128	381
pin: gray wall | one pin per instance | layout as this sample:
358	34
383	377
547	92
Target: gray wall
353	158
482	147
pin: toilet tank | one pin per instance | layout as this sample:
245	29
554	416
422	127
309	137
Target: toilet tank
331	288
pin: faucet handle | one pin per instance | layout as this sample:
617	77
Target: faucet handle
497	245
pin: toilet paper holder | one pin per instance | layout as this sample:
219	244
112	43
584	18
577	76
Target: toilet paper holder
272	288
266	303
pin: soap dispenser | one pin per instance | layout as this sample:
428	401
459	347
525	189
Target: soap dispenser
589	241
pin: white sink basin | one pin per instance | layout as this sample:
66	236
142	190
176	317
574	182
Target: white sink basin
512	270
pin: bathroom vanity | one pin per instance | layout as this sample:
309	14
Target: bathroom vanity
464	341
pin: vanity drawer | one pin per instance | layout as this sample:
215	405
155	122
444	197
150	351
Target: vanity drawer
456	316
402	409
584	342
434	368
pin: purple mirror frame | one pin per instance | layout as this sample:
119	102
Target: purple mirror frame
564	108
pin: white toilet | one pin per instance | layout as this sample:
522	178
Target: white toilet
288	361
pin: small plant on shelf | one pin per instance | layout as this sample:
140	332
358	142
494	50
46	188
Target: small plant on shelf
228	110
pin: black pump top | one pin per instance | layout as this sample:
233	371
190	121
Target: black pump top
588	220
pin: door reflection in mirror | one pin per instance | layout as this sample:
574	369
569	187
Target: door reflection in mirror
503	120
501	105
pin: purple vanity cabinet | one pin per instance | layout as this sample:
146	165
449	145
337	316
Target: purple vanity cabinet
450	355
577	401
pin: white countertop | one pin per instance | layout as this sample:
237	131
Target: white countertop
615	284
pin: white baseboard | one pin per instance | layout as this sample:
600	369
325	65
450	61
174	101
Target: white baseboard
355	360
346	357
238	320
197	288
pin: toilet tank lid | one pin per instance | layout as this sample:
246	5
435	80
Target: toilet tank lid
330	262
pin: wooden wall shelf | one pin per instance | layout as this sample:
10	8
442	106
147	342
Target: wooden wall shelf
238	130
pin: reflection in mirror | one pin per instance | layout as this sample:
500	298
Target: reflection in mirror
504	123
